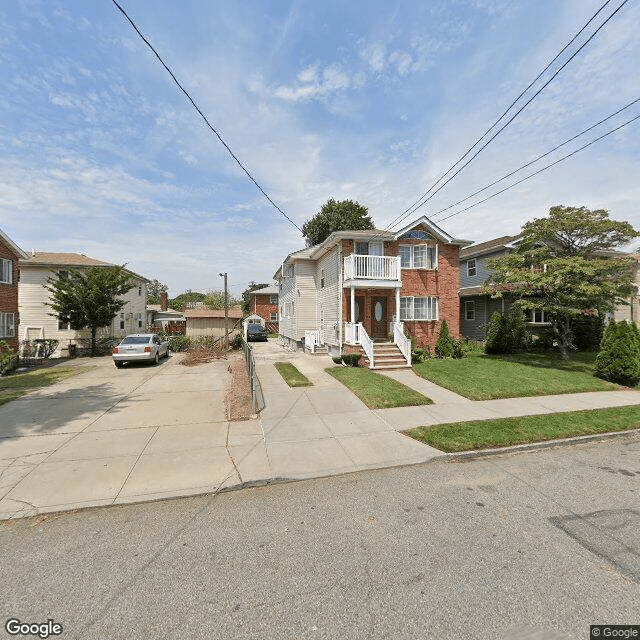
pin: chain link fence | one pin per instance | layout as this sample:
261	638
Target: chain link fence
257	397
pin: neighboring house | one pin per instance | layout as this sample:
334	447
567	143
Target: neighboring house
359	288
264	303
160	316
10	256
477	308
631	311
203	322
35	318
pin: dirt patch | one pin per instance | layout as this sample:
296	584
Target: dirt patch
237	400
203	353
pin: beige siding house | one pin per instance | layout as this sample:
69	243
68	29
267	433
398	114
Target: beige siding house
35	318
206	323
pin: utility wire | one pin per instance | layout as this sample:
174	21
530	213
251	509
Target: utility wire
195	106
544	155
421	201
497	193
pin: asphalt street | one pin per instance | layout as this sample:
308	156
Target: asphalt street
535	545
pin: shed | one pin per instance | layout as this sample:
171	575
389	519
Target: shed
204	322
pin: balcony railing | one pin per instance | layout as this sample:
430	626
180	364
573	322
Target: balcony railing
358	267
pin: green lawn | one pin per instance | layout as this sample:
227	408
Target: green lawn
482	377
291	375
485	434
17	384
376	391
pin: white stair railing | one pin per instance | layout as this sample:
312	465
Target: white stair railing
312	340
403	343
367	344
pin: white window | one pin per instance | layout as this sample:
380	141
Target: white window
273	298
369	248
418	256
322	278
537	316
288	309
471	267
413	308
470	310
6	271
7	323
63	326
274	317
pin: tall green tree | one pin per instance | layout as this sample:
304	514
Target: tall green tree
181	300
88	299
336	215
561	268
215	300
154	289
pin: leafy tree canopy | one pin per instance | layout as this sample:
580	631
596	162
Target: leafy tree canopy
155	288
215	300
88	298
559	268
180	301
336	215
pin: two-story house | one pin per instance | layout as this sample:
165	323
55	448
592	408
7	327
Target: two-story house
10	256
264	303
35	318
476	308
368	290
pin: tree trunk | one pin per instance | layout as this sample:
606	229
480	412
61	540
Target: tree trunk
93	341
561	327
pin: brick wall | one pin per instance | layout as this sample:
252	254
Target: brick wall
261	306
442	283
9	293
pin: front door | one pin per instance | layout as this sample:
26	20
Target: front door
379	323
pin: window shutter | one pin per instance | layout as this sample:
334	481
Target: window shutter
436	264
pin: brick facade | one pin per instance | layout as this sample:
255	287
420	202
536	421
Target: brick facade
261	306
9	293
442	283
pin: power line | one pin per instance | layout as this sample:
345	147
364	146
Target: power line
535	173
424	199
195	106
544	155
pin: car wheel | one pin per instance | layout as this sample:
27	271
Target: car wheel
156	360
119	365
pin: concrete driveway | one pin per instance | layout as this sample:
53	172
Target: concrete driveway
111	436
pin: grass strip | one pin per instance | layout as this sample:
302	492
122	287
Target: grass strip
505	432
482	377
376	391
17	384
291	375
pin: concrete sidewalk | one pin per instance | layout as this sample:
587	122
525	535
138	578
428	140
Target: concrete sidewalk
141	433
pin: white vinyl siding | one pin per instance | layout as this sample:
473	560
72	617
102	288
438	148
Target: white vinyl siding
418	256
418	308
7	325
6	271
329	297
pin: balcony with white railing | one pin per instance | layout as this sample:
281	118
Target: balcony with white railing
372	271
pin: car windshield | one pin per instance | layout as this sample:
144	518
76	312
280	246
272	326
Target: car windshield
135	340
254	328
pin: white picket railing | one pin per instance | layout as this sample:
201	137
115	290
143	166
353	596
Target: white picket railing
404	344
313	339
372	267
354	334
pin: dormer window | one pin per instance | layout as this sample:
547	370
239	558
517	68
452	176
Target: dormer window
416	235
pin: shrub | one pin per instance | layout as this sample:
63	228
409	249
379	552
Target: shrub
337	359
236	343
619	357
7	357
444	343
179	342
496	340
587	332
517	335
459	349
352	359
417	356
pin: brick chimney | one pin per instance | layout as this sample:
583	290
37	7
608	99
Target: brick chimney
164	301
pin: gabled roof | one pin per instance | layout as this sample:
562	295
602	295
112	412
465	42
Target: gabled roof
272	288
234	312
435	231
70	260
490	246
12	245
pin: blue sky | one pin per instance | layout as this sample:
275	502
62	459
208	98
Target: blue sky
100	153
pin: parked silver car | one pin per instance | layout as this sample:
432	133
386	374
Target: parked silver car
140	347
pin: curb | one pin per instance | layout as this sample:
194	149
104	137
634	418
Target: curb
547	444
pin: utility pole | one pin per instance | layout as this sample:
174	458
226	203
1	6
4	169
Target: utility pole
226	313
